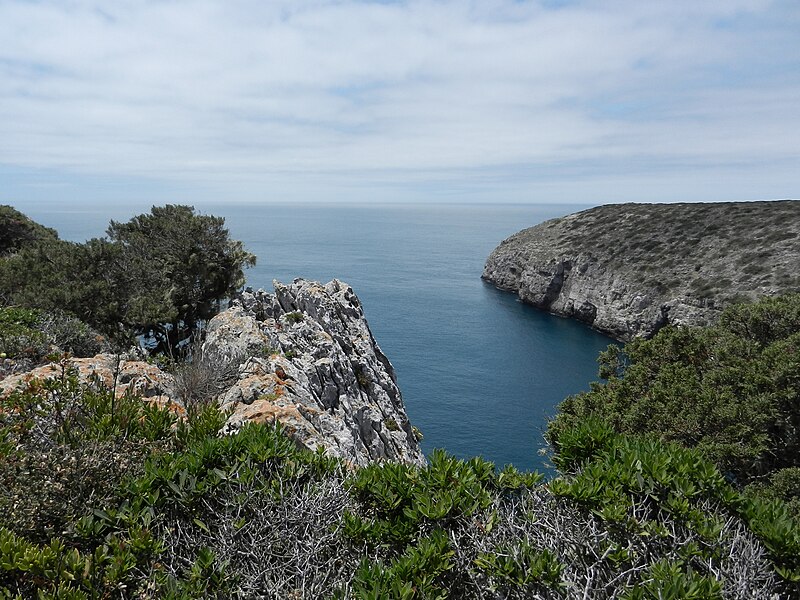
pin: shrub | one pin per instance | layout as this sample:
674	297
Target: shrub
294	317
163	273
33	335
203	375
66	449
18	231
730	390
170	509
645	486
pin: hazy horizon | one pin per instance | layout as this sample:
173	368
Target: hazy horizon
321	101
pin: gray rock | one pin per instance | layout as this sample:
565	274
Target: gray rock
310	362
629	269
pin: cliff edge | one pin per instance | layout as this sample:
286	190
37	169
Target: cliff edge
303	356
629	269
310	361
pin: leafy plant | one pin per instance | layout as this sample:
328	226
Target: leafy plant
640	484
294	317
420	572
522	566
160	274
667	580
730	390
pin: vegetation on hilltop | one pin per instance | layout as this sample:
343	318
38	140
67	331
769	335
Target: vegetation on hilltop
17	231
630	269
707	251
161	273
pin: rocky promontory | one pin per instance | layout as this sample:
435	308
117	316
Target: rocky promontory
629	269
303	357
309	361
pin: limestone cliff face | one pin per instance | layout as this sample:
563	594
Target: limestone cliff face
303	356
310	362
629	269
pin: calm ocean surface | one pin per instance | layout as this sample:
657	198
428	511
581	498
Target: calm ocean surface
480	372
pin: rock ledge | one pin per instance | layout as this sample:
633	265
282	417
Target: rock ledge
311	362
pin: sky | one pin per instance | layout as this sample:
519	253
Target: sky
583	101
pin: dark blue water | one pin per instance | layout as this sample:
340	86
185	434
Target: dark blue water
480	372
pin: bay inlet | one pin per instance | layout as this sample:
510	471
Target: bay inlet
480	372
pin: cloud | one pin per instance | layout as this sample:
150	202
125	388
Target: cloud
334	97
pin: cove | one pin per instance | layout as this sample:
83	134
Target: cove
479	371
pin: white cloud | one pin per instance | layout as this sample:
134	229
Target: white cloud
392	95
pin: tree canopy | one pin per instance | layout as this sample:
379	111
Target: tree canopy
163	272
180	265
17	230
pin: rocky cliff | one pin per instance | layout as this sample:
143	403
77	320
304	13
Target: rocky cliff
629	269
303	356
310	362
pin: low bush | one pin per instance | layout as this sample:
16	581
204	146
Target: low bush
19	337
106	497
32	335
203	375
642	486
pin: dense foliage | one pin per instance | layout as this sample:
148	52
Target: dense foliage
162	273
732	391
29	336
181	265
114	497
18	231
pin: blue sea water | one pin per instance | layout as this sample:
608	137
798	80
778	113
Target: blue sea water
480	372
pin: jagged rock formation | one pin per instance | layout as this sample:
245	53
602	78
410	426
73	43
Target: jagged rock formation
310	362
629	269
303	356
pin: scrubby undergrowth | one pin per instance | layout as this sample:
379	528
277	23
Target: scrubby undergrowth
732	391
104	497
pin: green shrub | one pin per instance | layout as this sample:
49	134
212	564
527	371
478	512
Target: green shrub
643	484
732	390
130	501
19	337
667	580
67	448
294	317
782	485
33	334
420	572
18	231
523	567
401	499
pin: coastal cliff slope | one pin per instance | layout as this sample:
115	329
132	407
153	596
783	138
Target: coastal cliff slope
629	269
303	357
310	361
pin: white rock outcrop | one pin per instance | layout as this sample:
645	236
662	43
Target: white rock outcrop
311	363
306	359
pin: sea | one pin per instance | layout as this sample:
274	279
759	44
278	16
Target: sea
480	372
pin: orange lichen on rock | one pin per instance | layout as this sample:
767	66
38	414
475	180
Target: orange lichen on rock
123	376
